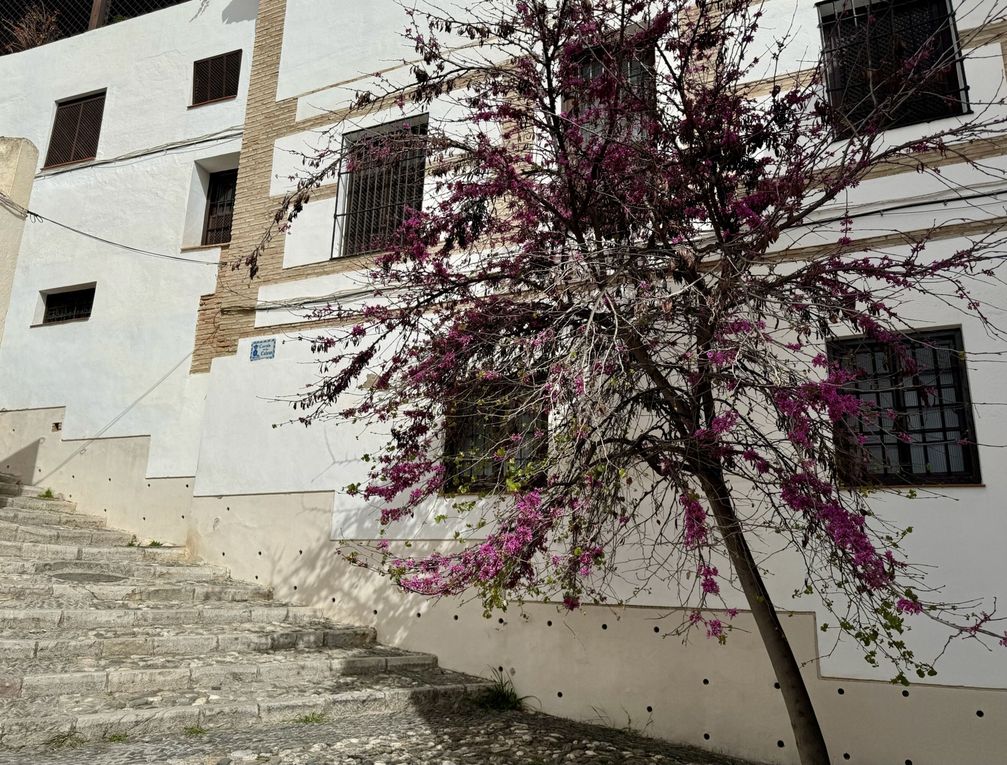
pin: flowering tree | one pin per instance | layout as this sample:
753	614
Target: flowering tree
599	334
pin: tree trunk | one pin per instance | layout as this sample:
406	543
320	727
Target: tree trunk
810	741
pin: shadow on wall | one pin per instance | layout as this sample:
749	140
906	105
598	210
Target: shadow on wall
22	462
234	12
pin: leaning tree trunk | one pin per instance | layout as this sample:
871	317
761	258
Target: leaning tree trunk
810	741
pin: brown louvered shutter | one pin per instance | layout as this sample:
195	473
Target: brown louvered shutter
216	78
220	207
76	130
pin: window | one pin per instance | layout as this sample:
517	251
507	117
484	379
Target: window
75	130
867	44
216	78
383	178
69	305
481	430
639	96
923	432
220	207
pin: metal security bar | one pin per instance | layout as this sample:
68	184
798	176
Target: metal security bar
68	306
384	178
921	431
26	24
868	42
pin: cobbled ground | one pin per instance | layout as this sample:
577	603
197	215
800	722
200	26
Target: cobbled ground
477	738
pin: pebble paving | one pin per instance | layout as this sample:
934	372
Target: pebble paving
476	738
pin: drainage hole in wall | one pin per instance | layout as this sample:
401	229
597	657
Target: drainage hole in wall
110	480
187	486
256	576
840	691
148	485
375	612
73	476
706	681
909	762
776	686
979	713
846	755
500	620
228	509
333	600
780	743
559	694
604	626
499	669
548	623
657	629
456	617
260	552
223	555
145	517
418	614
905	694
706	736
300	552
650	709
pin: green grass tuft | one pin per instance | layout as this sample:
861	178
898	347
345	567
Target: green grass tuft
501	696
314	718
195	730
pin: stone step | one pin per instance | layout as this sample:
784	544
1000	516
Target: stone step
189	640
38	503
9	478
173	673
84	586
43	551
9	490
51	518
22	532
158	572
45	615
37	721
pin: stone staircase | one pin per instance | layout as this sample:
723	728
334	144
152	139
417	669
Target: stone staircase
103	639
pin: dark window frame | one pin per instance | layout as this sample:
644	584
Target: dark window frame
228	82
361	223
66	305
888	387
469	432
218	232
80	148
645	76
842	25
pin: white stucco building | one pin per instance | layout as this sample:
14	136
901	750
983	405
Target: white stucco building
134	379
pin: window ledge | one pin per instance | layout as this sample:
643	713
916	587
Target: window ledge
915	487
67	166
223	100
204	247
58	323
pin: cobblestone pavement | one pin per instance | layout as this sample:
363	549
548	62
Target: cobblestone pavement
489	738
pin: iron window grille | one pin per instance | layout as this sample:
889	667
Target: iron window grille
867	44
493	440
216	78
383	179
220	207
639	77
76	130
72	305
923	432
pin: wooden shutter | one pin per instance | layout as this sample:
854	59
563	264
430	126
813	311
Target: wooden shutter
220	207
76	130
216	78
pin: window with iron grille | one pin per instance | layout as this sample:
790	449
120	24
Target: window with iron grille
220	207
922	432
70	305
383	179
637	78
494	440
75	130
867	44
216	78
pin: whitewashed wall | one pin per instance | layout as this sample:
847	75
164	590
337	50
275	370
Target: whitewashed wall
124	371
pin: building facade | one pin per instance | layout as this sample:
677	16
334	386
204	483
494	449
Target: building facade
144	376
